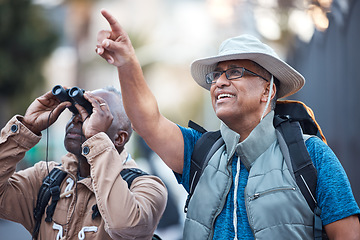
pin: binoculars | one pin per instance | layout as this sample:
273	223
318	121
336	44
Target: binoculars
73	95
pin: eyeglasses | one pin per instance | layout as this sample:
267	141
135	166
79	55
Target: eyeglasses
231	73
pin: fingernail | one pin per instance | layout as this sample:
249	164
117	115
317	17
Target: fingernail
106	43
110	60
98	50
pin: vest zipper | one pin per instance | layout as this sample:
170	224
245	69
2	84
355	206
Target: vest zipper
228	187
246	208
257	195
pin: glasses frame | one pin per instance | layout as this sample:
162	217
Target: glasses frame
243	70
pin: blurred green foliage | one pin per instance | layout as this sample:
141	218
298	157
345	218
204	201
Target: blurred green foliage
26	38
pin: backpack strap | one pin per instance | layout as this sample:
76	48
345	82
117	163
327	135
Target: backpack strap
128	174
298	111
300	159
204	148
301	163
199	159
196	127
49	188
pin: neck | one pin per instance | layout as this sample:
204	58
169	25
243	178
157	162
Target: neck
244	126
84	167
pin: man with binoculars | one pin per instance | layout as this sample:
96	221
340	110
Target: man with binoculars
102	194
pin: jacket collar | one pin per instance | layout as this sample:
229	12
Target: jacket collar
260	139
70	163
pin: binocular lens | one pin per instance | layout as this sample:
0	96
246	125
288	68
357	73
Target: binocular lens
73	95
74	92
56	91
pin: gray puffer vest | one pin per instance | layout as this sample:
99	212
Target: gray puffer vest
275	206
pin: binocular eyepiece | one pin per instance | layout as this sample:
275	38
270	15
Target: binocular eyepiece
73	95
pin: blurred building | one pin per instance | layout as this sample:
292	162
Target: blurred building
330	65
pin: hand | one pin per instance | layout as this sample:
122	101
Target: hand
115	45
101	118
43	112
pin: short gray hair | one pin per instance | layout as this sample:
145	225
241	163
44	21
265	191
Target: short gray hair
124	119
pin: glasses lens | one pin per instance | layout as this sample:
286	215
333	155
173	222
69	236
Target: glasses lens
213	76
233	73
208	78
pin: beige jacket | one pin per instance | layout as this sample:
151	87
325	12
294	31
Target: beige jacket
125	213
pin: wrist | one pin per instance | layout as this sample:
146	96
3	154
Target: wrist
90	134
129	63
30	127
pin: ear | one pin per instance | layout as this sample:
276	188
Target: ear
121	139
265	95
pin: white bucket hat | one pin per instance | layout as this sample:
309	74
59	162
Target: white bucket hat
251	48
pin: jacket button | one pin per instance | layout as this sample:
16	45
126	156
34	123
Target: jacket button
14	128
86	150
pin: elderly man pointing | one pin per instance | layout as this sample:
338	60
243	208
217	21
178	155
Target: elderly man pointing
244	80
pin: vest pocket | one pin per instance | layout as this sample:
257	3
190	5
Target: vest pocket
270	191
279	211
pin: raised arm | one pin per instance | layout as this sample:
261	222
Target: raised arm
162	135
19	135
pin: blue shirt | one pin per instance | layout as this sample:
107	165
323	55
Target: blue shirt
333	193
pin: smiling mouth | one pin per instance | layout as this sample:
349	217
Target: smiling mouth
225	95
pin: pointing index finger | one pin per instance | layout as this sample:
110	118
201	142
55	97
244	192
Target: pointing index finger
114	24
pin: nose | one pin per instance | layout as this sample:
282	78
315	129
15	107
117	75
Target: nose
77	118
222	81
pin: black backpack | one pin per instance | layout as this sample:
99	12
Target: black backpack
292	119
51	188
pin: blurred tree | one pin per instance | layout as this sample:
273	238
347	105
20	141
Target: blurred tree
26	39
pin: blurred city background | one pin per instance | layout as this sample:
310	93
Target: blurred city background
48	42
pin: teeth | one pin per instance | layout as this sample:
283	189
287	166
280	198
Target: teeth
225	95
